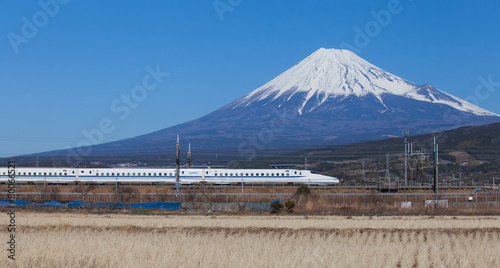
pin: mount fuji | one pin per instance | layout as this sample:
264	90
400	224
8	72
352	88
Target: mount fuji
331	97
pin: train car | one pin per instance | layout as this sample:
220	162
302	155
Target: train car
167	175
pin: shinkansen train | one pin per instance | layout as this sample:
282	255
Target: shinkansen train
167	175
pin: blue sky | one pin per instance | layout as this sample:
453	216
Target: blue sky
61	78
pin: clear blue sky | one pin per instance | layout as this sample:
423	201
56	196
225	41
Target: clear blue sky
86	54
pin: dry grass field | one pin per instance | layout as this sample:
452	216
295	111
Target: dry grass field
115	240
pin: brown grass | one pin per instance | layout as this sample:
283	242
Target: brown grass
110	240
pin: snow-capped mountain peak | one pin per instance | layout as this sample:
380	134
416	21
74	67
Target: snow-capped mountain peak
331	97
333	73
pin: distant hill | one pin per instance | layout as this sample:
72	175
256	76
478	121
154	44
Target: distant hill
470	152
482	143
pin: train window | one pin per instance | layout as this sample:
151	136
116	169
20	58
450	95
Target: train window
282	174
231	174
90	172
50	173
45	173
29	173
300	173
82	171
262	174
73	172
295	172
60	173
267	174
112	174
154	174
170	174
107	174
24	173
272	174
183	172
288	174
226	174
97	174
128	174
206	173
251	174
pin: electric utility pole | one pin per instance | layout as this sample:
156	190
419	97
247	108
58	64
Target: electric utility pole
405	133
189	156
435	183
177	164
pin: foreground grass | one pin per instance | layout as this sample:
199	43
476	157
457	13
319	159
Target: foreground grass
236	221
79	240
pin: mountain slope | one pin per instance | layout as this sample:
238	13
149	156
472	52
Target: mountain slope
331	97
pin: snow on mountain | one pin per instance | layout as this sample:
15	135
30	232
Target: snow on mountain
333	73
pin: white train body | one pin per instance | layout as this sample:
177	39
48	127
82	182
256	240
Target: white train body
167	175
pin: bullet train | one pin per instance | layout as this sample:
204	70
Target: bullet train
167	175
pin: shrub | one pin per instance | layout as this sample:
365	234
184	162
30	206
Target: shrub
289	206
276	207
303	190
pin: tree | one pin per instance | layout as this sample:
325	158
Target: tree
289	206
276	207
303	190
